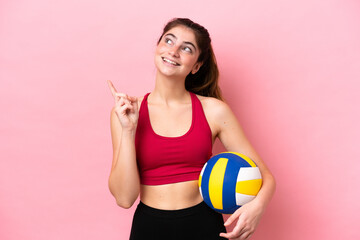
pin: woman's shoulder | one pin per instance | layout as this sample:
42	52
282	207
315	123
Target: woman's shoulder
213	105
217	112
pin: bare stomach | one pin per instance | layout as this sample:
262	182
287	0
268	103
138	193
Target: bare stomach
171	196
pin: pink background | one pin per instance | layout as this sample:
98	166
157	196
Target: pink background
290	70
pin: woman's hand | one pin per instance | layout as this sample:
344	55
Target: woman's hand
126	108
248	218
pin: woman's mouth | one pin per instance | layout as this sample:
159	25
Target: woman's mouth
166	60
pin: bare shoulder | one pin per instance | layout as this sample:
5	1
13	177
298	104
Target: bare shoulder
217	113
214	107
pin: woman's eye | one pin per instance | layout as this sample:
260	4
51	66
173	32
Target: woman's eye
187	49
168	41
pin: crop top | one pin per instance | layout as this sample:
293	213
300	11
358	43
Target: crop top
164	160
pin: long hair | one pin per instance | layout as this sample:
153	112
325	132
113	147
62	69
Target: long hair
205	81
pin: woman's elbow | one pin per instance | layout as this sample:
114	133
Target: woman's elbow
125	203
125	196
272	181
124	200
122	204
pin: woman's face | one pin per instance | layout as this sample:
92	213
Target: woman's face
177	53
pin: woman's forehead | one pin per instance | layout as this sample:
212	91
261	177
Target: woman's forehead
183	33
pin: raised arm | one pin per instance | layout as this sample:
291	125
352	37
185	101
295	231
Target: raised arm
233	138
124	181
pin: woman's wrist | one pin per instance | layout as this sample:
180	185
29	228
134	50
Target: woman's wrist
128	132
259	203
265	194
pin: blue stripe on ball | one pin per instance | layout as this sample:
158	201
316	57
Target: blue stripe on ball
242	162
205	181
229	185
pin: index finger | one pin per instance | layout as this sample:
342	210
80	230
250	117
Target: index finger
112	88
236	232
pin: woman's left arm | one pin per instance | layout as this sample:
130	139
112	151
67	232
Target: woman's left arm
233	138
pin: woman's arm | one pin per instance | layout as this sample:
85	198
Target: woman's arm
233	138
124	183
124	180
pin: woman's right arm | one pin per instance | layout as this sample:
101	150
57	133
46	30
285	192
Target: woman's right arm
124	180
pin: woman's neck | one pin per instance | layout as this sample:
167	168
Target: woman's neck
169	89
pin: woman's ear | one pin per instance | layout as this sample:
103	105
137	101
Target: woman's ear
196	67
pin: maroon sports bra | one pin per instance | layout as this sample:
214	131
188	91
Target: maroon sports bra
164	160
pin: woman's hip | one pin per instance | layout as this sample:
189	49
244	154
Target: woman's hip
196	222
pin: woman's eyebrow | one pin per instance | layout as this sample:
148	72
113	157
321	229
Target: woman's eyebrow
172	35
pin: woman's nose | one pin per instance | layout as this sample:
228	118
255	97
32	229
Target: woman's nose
174	51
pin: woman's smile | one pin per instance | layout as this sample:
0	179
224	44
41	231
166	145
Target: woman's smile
167	61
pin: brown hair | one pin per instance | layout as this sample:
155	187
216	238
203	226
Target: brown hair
205	81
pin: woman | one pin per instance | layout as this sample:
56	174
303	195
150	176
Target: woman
162	140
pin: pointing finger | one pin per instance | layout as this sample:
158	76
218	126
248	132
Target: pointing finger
231	219
112	88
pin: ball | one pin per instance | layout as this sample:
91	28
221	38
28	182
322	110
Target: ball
229	180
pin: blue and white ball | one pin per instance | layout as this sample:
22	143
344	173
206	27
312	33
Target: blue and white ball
228	181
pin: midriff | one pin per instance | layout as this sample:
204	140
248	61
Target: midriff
171	196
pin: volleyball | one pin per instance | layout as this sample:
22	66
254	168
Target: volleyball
229	180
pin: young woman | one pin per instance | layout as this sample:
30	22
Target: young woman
162	140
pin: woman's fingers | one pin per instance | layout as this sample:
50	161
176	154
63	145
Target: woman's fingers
133	99
240	227
125	108
122	102
236	232
121	95
114	92
122	99
112	88
231	219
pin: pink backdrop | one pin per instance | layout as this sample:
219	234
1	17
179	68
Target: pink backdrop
290	70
